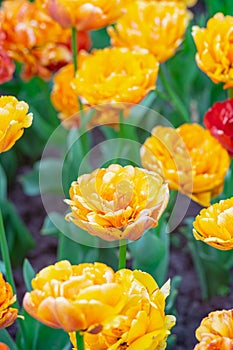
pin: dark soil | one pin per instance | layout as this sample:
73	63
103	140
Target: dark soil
190	307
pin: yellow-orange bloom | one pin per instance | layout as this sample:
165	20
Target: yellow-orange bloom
4	347
7	314
74	297
216	331
190	158
214	225
86	15
188	3
33	38
13	120
123	76
117	202
141	324
158	27
215	49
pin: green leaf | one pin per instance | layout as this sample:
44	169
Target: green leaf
28	274
3	183
6	338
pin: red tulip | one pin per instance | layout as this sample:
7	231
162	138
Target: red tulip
219	120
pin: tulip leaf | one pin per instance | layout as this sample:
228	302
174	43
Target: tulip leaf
28	274
6	338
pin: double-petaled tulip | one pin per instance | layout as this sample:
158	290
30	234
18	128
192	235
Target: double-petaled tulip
7	314
7	67
74	297
123	76
86	15
188	3
14	118
141	324
158	27
190	159
219	120
34	39
214	225
214	49
216	331
117	202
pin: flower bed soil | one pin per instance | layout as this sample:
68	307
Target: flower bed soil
190	308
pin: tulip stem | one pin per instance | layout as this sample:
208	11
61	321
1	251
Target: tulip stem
176	101
74	49
120	135
230	93
122	254
80	341
5	254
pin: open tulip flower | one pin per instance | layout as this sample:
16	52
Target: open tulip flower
214	49
117	202
8	314
123	76
216	331
85	15
219	120
214	225
13	120
141	324
74	297
158	27
190	159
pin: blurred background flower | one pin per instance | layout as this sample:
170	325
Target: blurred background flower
219	120
158	27
215	49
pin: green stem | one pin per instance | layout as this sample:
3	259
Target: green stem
9	274
178	104
121	134
122	254
5	255
80	341
230	93
74	49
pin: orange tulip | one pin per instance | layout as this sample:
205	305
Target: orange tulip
123	76
158	27
190	159
85	15
7	314
4	347
141	324
74	297
117	202
216	331
14	118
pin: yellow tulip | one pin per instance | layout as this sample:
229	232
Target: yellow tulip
214	225
13	120
215	49
117	202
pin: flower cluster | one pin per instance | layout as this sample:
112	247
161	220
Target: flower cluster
32	38
112	309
